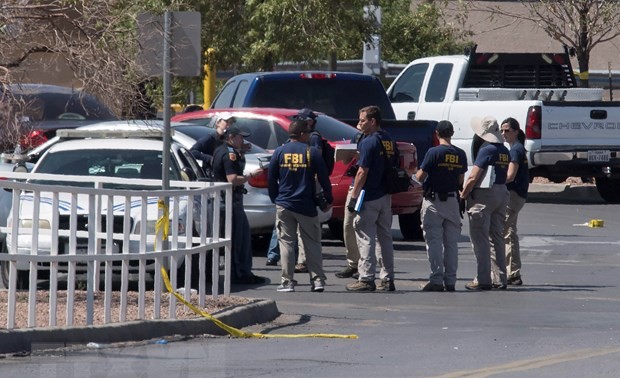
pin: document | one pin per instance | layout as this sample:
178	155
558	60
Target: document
360	200
345	152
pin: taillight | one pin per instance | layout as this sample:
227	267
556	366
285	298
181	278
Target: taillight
533	123
317	75
259	181
33	139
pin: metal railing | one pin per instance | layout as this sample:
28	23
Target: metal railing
185	221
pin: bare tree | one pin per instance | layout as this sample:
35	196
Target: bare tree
96	39
580	25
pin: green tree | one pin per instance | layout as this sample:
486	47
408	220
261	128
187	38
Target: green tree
407	34
302	31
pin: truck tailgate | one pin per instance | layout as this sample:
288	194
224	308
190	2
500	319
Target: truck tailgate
585	124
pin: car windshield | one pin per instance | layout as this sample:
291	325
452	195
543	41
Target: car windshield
340	99
62	106
138	164
334	130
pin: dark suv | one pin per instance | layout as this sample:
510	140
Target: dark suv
41	109
337	94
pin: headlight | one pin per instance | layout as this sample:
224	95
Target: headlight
27	223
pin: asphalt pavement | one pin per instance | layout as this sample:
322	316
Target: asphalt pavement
263	311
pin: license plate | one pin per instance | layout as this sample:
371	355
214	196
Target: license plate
598	156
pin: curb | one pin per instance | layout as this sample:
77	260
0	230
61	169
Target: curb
555	193
27	340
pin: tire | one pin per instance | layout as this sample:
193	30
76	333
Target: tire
22	275
411	226
336	228
609	189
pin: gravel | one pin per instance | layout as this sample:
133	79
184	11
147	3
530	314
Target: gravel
42	307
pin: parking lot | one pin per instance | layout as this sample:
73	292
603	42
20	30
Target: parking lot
562	322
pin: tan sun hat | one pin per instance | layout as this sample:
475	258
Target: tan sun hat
487	128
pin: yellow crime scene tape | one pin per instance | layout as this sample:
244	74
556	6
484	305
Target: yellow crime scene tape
239	333
162	226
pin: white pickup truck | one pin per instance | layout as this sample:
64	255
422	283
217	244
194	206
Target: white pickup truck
569	131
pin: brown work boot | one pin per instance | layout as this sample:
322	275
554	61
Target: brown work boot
473	285
432	287
361	286
386	285
347	272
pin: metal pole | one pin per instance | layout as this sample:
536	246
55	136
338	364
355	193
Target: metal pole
611	87
167	90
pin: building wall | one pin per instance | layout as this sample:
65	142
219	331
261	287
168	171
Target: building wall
503	34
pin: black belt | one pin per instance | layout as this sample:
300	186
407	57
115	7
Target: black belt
442	196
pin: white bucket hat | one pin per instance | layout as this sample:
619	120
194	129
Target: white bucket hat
487	128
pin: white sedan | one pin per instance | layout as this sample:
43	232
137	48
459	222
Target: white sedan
100	155
258	207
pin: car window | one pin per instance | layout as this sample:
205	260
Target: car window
334	130
438	83
63	106
144	164
240	93
225	98
263	133
337	98
408	87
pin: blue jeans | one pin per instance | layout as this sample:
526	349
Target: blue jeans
274	247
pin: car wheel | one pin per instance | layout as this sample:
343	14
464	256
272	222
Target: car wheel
411	226
608	188
22	275
335	228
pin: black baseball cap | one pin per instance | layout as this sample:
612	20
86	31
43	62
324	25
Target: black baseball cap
234	130
306	114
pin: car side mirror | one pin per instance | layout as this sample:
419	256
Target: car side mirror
188	173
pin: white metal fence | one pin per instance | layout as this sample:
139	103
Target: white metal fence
64	240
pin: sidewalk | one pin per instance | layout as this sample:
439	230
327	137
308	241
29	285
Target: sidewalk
29	339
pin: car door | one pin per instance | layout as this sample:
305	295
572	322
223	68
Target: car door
405	91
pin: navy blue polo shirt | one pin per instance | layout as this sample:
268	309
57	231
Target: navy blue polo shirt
372	157
204	148
444	164
495	154
316	140
292	169
522	180
228	161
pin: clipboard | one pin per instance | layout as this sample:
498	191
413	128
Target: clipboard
346	152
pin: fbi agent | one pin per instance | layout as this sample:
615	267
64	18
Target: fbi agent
487	199
442	173
518	182
292	171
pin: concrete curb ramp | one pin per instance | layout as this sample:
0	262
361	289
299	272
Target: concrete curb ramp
27	340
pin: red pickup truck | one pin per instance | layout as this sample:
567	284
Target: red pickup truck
269	129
